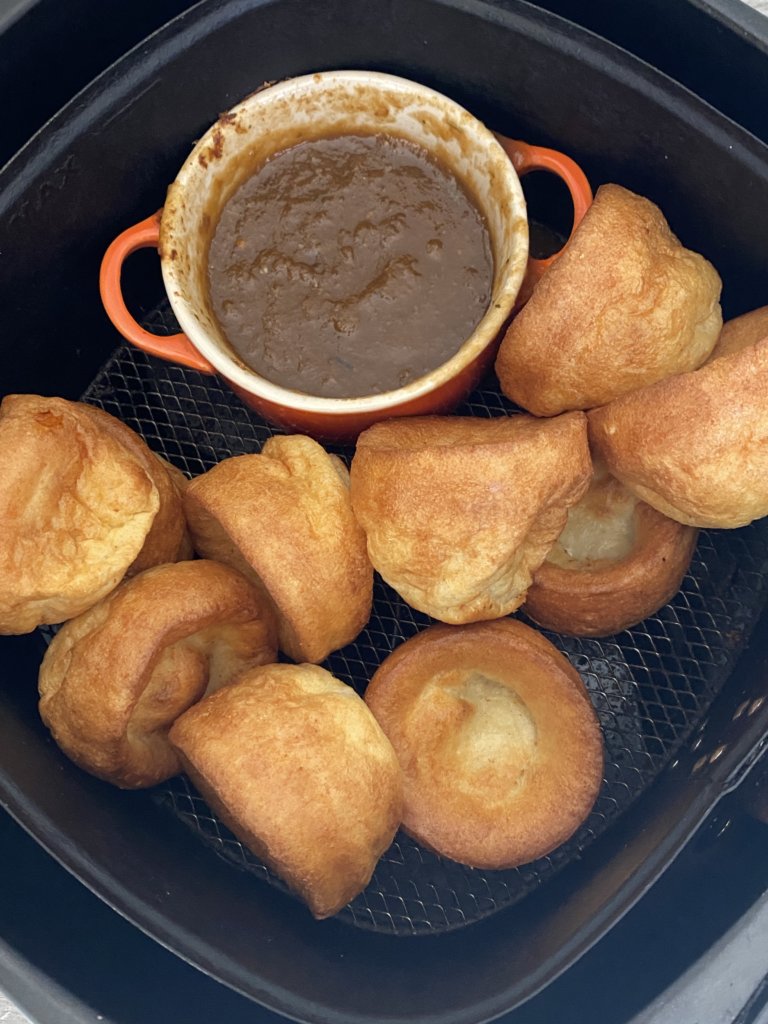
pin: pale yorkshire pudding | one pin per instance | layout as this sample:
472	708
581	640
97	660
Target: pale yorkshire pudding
285	520
76	507
460	512
695	446
616	562
500	747
623	305
294	763
114	679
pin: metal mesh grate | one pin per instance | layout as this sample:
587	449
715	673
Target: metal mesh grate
650	685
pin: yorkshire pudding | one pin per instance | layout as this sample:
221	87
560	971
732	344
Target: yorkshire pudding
284	519
616	562
741	332
460	512
624	305
695	446
114	679
500	747
168	540
76	507
317	795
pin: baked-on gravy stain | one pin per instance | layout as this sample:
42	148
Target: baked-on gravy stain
349	266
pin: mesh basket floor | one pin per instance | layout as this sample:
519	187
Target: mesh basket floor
649	685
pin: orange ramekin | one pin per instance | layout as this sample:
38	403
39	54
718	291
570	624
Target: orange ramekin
310	107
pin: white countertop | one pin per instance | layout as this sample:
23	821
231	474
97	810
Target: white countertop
9	1014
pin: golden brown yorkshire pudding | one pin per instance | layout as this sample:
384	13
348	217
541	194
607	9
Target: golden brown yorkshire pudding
76	507
284	519
616	562
114	679
695	446
318	796
741	332
623	305
460	512
168	539
500	747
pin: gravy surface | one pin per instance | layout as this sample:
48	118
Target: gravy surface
349	266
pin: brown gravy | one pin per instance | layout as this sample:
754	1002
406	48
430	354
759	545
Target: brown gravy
349	266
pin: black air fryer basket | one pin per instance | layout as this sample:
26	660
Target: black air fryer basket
681	698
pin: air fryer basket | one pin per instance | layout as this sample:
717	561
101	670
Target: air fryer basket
680	698
650	685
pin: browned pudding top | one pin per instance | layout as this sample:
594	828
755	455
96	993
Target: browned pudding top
349	266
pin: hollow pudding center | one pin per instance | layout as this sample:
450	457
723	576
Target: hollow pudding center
601	527
488	731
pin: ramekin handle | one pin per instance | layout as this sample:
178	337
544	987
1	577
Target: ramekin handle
176	348
526	158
